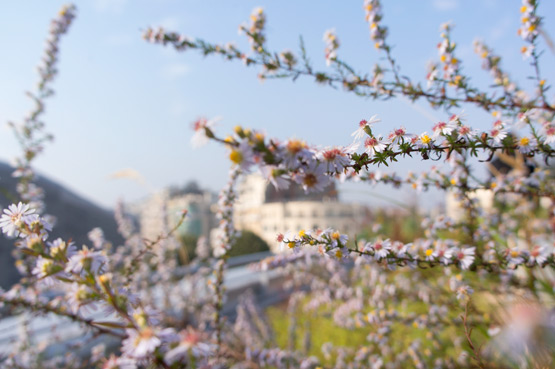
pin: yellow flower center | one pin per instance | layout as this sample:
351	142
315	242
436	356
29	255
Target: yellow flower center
46	266
259	137
310	180
524	141
236	156
335	235
302	233
425	139
338	254
291	245
429	252
294	146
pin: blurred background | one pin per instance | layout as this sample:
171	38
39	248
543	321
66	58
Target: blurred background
122	103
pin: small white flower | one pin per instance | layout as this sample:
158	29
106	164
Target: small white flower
86	259
444	129
313	178
360	133
336	159
140	343
201	127
465	256
374	144
15	217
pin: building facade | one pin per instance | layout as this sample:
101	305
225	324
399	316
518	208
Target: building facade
263	210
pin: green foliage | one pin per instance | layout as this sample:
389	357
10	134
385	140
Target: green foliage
187	250
248	243
399	226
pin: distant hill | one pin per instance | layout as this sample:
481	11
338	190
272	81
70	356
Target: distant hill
75	215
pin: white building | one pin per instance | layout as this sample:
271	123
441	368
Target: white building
162	211
267	212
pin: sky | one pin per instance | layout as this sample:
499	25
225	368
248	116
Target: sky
122	103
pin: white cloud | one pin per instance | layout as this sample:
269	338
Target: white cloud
445	5
175	70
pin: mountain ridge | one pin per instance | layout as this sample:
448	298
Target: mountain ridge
75	215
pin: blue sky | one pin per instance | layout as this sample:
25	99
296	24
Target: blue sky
123	103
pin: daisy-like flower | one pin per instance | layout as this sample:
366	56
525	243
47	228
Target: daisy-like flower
140	343
60	249
374	144
289	243
296	151
243	156
526	145
463	292
380	249
336	159
429	253
86	259
465	256
549	131
498	135
443	128
336	239
423	140
465	132
190	343
443	253
397	135
364	127
338	253
515	256
527	51
15	217
313	178
276	176
78	296
538	255
45	269
203	131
